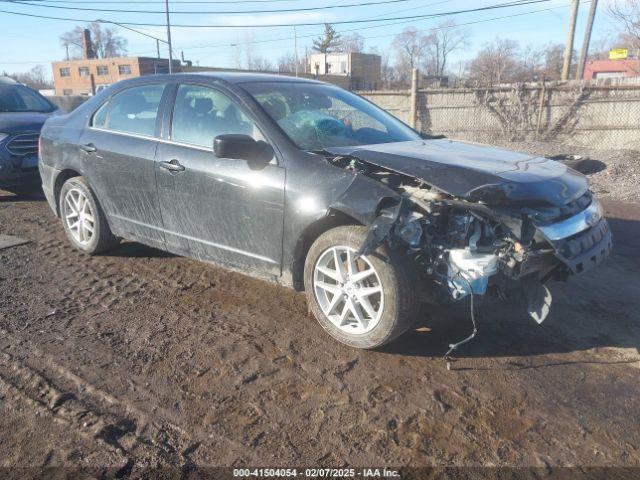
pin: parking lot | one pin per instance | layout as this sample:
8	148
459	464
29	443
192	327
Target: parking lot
142	357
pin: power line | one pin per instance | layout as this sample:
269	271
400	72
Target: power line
340	22
474	22
282	39
348	30
156	2
204	12
531	12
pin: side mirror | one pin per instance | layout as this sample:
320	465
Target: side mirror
243	147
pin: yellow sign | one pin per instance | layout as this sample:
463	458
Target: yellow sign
618	54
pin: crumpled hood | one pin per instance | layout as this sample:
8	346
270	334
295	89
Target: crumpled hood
15	122
476	172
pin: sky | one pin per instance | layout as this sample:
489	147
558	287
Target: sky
29	41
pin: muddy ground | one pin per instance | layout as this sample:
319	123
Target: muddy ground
140	357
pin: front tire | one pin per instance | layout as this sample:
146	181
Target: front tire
363	303
83	219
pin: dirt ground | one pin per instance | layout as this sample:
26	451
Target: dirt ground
138	358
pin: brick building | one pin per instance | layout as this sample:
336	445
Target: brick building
89	75
612	69
362	70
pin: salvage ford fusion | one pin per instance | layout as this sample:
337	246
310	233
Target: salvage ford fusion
311	186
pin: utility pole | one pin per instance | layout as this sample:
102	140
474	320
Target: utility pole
295	47
166	4
568	48
158	40
584	53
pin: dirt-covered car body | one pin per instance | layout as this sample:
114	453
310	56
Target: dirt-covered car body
472	218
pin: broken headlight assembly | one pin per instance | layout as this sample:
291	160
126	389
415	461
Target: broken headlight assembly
410	231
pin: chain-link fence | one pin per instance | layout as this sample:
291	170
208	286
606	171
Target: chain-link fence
602	115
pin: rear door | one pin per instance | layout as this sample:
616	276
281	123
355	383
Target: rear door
218	208
119	149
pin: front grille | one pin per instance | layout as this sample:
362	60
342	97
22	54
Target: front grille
23	144
585	249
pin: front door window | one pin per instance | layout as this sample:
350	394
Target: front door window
200	114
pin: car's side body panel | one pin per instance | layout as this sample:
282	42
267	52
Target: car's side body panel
216	210
219	209
123	178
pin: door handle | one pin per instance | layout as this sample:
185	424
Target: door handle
173	166
89	148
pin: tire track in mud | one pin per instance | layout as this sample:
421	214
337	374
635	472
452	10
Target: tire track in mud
96	414
216	296
86	276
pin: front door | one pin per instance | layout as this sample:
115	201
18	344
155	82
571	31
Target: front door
218	208
120	148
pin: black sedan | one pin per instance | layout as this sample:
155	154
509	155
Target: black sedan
308	185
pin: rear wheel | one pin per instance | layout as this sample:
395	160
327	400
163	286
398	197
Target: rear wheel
83	219
364	302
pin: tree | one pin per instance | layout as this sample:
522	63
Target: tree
329	42
287	63
553	60
441	41
352	43
410	46
387	72
627	14
496	62
35	78
105	41
260	64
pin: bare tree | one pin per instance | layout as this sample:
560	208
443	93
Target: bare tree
531	63
410	47
388	75
287	63
627	14
553	60
496	62
105	41
35	78
260	64
441	41
352	43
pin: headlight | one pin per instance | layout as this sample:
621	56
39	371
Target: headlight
410	232
3	136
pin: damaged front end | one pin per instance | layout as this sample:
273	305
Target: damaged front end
467	246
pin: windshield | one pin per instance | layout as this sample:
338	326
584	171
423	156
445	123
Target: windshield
17	98
317	116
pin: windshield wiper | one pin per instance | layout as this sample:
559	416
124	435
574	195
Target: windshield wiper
323	152
431	136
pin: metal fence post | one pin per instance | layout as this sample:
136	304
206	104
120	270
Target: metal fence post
413	118
541	103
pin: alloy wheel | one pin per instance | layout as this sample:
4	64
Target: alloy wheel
79	216
348	290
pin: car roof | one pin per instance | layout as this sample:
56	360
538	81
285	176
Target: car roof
8	81
245	77
228	77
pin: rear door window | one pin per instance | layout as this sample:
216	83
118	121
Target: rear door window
201	113
133	110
